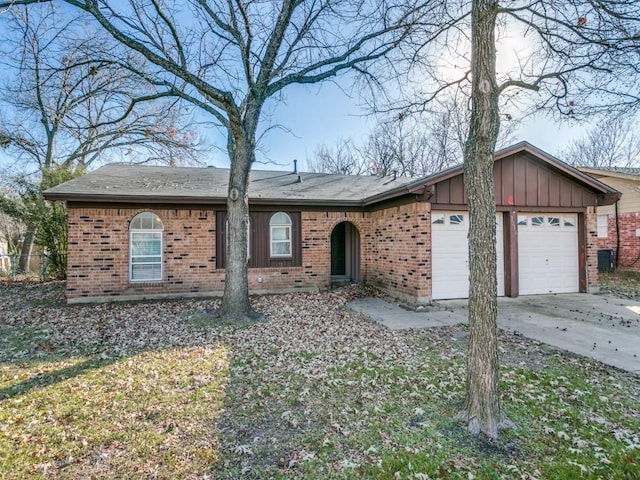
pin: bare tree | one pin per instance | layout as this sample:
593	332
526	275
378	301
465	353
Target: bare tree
66	102
230	58
578	43
576	58
11	234
614	142
410	145
69	104
344	158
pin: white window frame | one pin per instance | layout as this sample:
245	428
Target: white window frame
146	233
603	226
437	218
288	241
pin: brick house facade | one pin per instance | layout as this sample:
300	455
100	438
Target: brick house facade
363	228
618	225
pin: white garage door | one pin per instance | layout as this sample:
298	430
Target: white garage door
548	253
450	255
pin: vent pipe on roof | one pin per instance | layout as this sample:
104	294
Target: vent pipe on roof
299	178
295	166
395	174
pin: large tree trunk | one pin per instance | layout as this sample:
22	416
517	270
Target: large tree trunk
25	251
235	302
482	404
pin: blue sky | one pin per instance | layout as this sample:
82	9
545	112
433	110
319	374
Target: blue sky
324	114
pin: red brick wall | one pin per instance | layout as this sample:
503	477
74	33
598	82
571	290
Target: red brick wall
395	249
400	249
591	229
629	254
98	254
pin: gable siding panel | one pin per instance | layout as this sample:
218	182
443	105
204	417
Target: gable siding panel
497	182
442	192
506	169
458	196
554	190
531	184
521	181
543	188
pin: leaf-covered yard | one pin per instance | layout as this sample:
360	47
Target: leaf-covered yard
154	390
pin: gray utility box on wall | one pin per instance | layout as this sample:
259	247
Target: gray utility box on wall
605	259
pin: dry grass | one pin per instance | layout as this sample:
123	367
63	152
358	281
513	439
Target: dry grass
154	390
621	283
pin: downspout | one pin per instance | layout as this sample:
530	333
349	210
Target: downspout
617	237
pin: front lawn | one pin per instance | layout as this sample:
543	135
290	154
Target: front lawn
620	283
150	390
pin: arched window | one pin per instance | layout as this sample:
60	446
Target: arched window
280	235
145	248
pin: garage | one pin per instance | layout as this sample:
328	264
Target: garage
450	252
548	260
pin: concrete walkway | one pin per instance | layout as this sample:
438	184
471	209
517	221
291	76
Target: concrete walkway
596	326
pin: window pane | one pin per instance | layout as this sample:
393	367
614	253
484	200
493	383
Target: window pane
280	218
537	221
147	259
456	219
554	221
146	271
522	220
568	222
146	244
280	248
280	233
437	219
603	226
146	247
146	221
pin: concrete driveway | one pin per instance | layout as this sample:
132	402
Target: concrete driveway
597	326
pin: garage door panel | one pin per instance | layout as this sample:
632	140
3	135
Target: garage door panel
548	253
450	255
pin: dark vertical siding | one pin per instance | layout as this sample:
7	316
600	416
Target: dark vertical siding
457	193
521	181
259	243
543	187
531	184
554	190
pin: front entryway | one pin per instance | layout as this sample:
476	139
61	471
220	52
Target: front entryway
345	253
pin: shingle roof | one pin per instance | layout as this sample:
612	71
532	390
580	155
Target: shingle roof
188	185
622	170
123	182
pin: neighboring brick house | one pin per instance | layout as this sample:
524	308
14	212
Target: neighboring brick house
153	232
619	224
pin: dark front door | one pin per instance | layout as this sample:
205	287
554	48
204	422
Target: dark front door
345	252
338	249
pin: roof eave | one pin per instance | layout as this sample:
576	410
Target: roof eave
191	200
610	198
609	173
413	188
